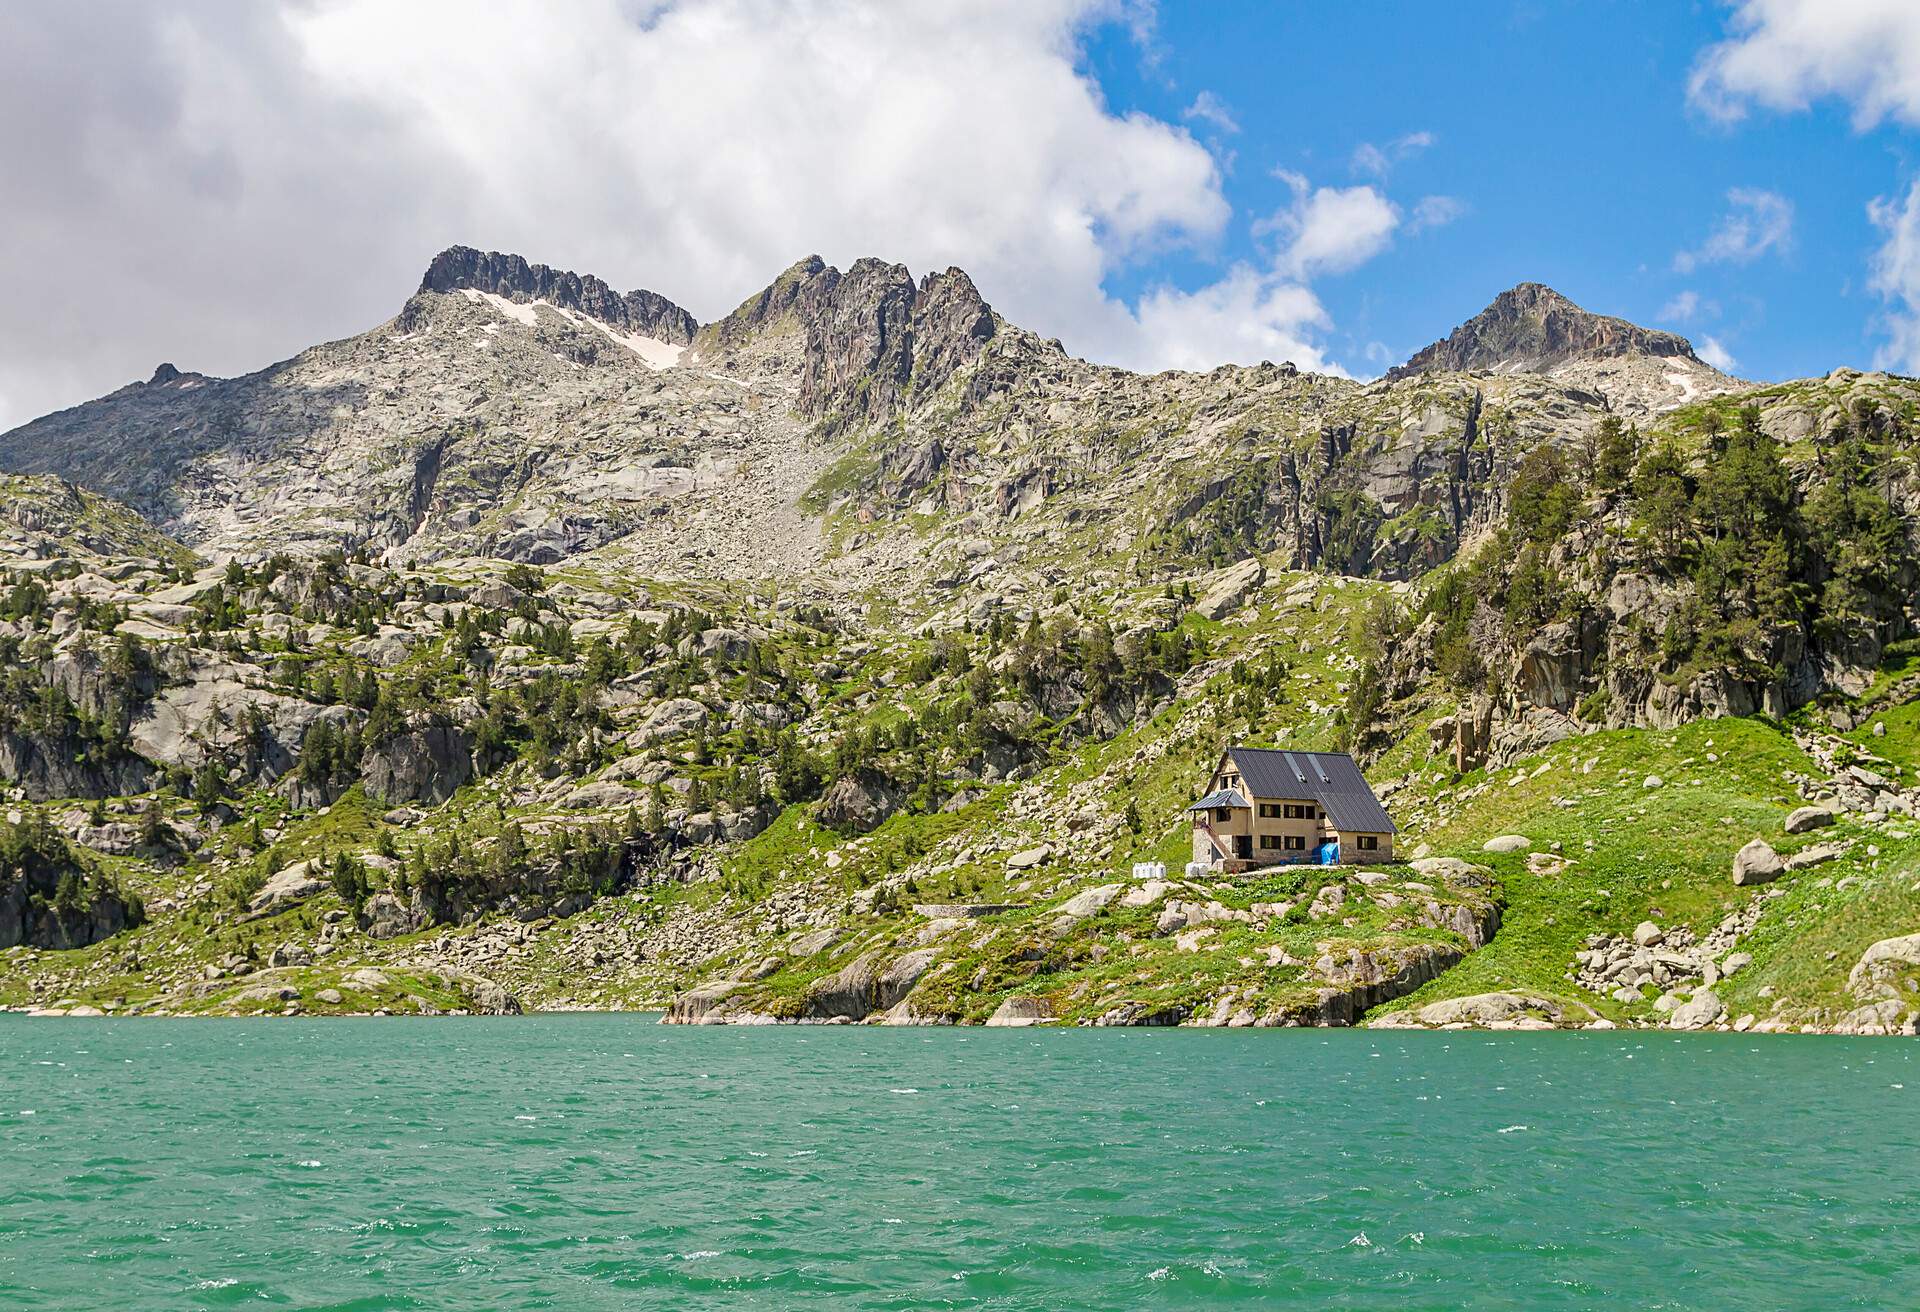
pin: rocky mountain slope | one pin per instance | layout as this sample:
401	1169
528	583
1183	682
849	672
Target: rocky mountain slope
839	659
518	412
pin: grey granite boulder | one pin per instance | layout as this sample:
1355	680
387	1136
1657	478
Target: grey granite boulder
1229	589
1757	863
1883	965
287	887
1807	818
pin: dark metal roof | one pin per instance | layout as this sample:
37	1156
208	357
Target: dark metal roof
1329	778
1225	797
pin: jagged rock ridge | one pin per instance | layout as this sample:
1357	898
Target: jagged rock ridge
460	268
870	336
475	424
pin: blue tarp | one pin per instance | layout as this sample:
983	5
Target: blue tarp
1330	853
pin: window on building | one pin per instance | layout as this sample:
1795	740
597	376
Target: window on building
1270	841
1299	811
1369	843
1269	810
1222	814
1296	843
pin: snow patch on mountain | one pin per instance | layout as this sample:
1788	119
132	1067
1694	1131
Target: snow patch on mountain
651	351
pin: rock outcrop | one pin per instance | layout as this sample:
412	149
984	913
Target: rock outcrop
424	763
1485	1011
50	899
872	339
1017	1013
858	803
1885	968
1228	590
701	1005
1361	979
870	983
47	766
287	888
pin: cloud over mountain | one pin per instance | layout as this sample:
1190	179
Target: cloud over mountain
200	156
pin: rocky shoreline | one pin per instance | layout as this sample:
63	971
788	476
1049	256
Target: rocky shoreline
1486	1012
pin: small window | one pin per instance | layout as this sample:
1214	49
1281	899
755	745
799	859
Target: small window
1222	814
1369	843
1299	811
1295	843
1269	810
1270	841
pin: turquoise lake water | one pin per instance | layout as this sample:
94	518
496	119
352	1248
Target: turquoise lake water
587	1162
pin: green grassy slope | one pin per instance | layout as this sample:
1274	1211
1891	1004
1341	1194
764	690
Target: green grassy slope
1665	854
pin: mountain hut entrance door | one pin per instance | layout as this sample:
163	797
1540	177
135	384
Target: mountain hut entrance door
1243	846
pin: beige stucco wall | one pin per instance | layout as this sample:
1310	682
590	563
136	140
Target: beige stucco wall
1281	826
1251	824
1351	854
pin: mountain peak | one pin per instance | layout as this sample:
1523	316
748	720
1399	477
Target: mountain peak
462	268
868	337
772	303
1531	328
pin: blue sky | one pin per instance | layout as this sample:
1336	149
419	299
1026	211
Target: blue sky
1567	135
222	183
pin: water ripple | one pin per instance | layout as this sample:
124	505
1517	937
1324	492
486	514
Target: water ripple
603	1162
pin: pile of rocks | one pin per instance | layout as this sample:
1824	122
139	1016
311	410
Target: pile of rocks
1668	959
1851	786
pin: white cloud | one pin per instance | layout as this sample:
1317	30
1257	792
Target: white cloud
219	186
1379	160
1682	307
1369	158
1329	229
1757	222
1435	212
1257	314
1717	355
1247	316
1896	277
1209	108
1785	54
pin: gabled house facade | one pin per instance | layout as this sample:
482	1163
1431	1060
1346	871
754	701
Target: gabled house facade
1265	807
